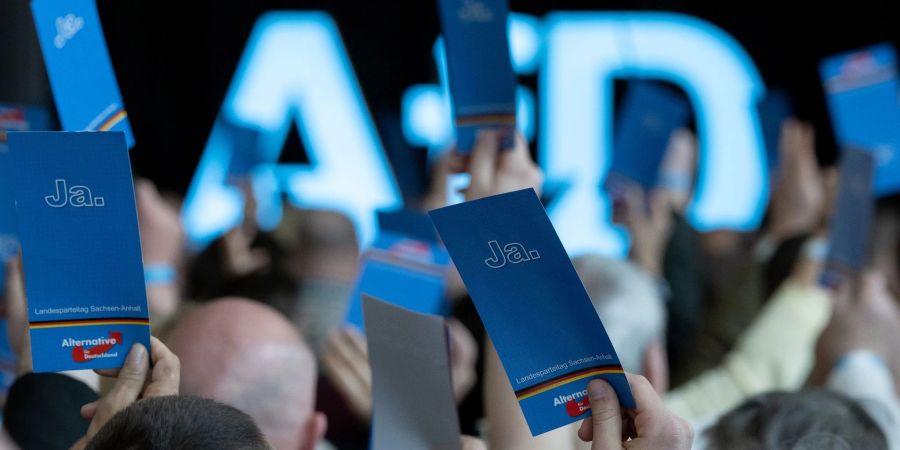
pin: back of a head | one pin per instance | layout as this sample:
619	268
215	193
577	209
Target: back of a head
179	423
249	356
814	419
629	304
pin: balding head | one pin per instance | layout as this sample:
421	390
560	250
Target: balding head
246	354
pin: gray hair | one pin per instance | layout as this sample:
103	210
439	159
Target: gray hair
811	419
629	304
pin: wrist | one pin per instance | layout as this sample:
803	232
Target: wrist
157	274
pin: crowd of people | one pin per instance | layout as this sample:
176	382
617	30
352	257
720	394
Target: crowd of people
728	338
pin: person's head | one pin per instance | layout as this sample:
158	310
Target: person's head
631	308
810	419
247	355
179	423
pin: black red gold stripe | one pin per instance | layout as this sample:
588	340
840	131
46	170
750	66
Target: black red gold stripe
113	120
561	380
90	322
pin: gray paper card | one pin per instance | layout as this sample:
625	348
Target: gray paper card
412	395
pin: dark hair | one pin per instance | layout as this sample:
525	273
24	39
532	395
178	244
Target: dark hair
208	278
814	418
179	422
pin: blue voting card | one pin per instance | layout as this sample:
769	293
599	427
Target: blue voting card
243	142
852	219
862	92
533	305
406	266
773	110
13	118
649	114
78	66
77	223
479	70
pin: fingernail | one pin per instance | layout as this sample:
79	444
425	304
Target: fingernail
136	355
598	390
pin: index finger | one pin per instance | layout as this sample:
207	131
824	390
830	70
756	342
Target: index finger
483	159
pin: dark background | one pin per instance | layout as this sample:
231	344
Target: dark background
175	60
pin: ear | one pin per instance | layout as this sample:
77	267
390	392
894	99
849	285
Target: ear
316	426
656	366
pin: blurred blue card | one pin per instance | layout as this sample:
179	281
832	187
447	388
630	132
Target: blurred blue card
852	219
773	110
77	223
406	266
649	114
412	393
533	305
863	89
78	65
481	78
13	118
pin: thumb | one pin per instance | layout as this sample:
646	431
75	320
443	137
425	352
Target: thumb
604	428
132	376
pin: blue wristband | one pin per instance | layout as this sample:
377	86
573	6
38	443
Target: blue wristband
155	274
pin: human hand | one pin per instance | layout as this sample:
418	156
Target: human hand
496	171
864	317
649	224
17	316
134	381
676	172
799	194
345	362
463	356
651	426
472	443
446	165
162	237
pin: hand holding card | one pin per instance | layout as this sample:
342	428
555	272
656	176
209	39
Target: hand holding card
851	222
533	304
494	172
78	66
479	71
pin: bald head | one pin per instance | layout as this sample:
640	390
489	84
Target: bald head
247	355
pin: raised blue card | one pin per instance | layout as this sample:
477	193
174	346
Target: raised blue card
406	266
863	89
479	69
81	250
852	220
648	116
13	118
78	66
773	110
533	305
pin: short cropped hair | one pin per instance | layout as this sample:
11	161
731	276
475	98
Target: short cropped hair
810	419
179	422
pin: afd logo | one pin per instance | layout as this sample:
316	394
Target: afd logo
66	28
576	403
474	11
75	196
295	72
84	350
513	252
